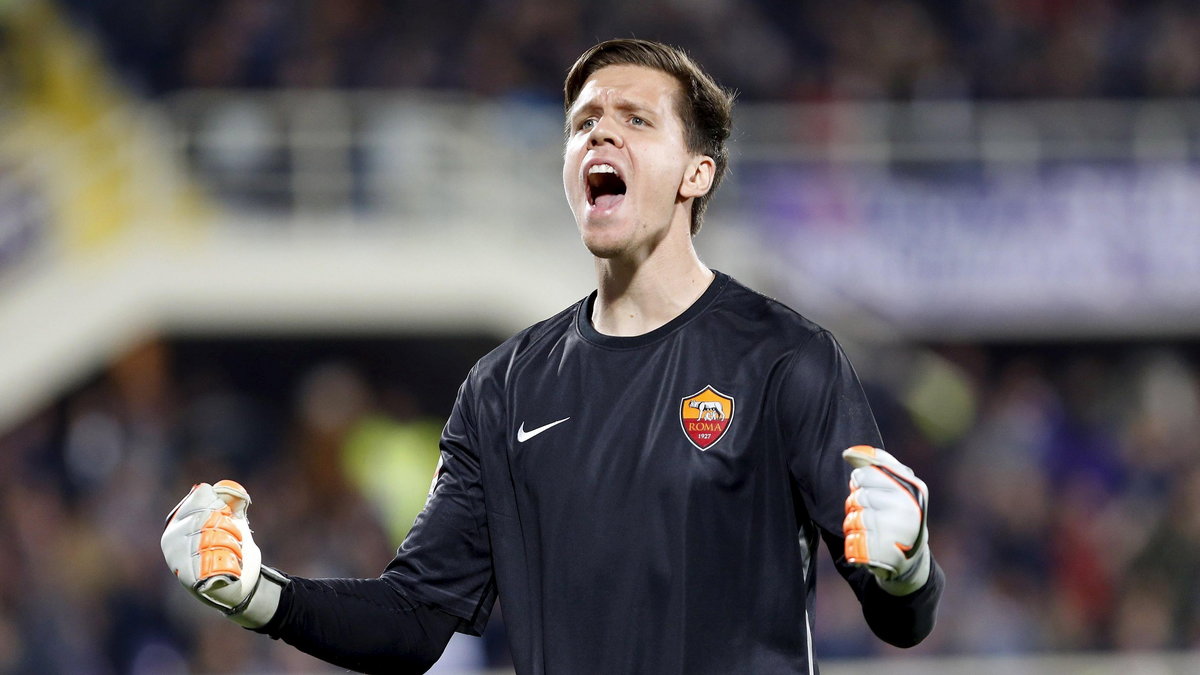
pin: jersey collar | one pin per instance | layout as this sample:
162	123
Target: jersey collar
583	319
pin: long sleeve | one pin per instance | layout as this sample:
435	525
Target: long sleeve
440	580
366	625
829	412
446	559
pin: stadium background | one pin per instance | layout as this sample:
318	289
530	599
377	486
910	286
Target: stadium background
266	239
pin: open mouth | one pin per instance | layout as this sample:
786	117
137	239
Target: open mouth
605	187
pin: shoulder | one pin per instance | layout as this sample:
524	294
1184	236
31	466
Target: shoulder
496	366
804	350
772	318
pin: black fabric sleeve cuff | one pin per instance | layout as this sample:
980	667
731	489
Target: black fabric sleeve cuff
904	620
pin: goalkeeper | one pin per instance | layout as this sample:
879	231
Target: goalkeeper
643	479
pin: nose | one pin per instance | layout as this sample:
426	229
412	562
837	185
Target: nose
604	132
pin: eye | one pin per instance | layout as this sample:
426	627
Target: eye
637	121
587	123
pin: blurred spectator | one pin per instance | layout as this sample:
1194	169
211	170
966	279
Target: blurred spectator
84	488
768	49
1065	501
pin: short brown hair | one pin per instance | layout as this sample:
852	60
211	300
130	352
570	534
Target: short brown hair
705	108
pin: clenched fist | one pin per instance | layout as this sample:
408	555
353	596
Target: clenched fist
885	520
208	545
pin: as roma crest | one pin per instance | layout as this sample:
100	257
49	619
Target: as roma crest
705	416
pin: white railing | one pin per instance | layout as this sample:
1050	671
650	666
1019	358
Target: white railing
413	210
980	219
366	155
335	158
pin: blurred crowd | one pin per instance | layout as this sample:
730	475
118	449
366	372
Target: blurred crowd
1065	500
1064	495
337	457
767	49
1065	492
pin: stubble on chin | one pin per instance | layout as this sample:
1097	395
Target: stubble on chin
611	239
601	248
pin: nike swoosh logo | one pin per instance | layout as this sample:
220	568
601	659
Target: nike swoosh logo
523	435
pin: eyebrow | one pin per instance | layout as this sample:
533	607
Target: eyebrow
621	104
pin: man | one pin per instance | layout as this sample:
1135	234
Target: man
642	478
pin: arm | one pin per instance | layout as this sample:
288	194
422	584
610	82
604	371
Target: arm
885	534
899	620
828	412
361	624
366	625
440	580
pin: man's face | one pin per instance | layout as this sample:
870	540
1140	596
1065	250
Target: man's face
625	160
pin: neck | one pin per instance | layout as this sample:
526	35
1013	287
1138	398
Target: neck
636	297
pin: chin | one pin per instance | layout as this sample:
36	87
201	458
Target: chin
603	247
604	237
606	253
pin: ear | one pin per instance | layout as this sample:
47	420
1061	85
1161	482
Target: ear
698	177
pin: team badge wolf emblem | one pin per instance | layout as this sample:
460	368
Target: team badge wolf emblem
705	416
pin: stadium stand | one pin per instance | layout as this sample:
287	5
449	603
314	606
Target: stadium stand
220	229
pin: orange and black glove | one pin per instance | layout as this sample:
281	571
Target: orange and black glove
885	520
208	545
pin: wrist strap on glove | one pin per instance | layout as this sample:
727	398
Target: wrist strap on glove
258	607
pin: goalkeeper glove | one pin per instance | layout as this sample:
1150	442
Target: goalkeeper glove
208	545
885	520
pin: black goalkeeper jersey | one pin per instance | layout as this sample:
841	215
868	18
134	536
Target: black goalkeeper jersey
651	504
640	506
